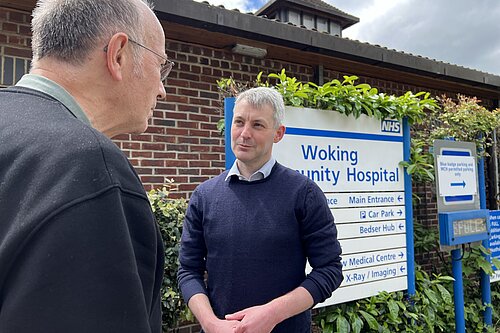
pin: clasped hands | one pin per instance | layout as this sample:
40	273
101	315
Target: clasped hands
256	319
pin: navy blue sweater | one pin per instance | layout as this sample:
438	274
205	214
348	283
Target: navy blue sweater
253	239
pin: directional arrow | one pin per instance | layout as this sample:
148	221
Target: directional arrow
459	184
401	226
401	254
402	269
400	198
400	212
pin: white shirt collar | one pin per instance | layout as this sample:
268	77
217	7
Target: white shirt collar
262	173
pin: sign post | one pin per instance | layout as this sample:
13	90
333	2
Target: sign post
461	220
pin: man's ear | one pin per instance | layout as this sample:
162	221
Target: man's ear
279	134
115	55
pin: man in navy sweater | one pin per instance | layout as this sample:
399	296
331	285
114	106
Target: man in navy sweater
252	228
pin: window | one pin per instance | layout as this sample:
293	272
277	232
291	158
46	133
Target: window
335	29
12	69
281	15
322	24
7	71
308	21
294	17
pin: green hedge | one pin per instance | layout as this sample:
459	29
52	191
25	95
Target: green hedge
169	214
430	310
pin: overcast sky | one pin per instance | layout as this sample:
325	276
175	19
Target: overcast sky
460	32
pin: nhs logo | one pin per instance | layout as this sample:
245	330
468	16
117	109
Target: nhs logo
390	126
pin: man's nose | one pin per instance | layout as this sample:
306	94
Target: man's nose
246	131
162	94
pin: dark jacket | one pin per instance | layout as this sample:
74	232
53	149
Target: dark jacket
79	247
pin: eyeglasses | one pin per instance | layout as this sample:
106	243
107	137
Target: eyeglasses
165	68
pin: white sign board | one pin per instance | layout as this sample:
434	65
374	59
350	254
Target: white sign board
457	175
356	164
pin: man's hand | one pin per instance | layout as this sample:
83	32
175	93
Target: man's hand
257	319
263	318
201	308
221	326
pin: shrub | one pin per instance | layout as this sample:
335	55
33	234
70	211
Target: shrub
346	97
169	214
431	309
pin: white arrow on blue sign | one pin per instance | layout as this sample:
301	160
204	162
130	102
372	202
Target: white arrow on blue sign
457	175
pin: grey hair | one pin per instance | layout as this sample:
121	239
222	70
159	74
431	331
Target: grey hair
69	29
261	96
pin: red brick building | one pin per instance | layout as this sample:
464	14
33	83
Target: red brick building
302	36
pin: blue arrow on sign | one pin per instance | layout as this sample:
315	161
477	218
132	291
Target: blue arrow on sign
459	184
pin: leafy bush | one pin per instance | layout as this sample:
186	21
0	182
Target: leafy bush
429	310
345	97
350	98
169	214
464	120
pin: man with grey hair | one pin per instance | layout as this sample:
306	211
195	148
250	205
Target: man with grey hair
252	228
79	248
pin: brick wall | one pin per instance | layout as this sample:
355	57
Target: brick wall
183	142
15	29
15	45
